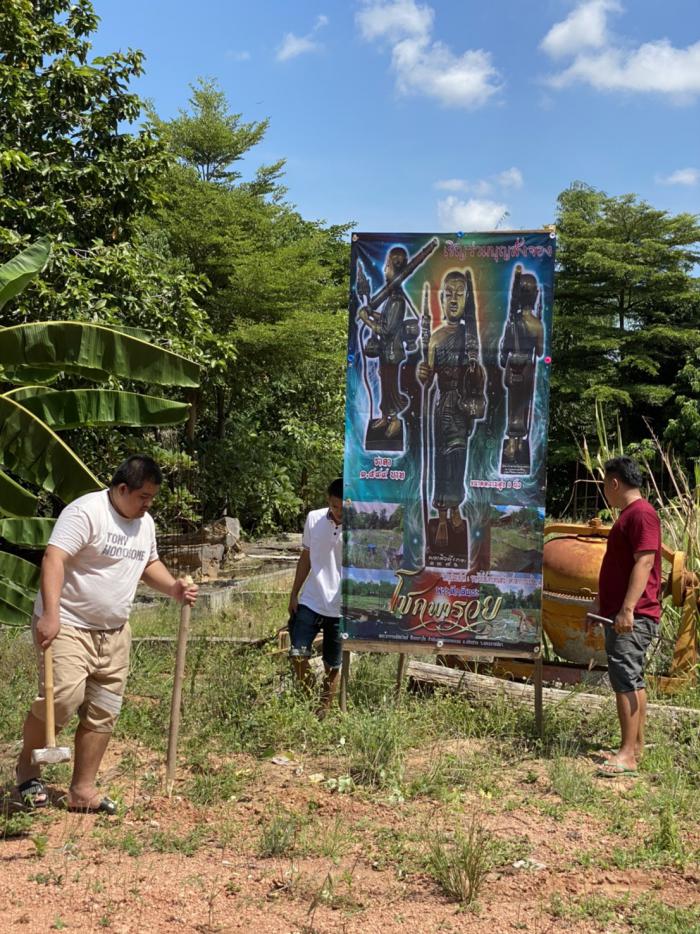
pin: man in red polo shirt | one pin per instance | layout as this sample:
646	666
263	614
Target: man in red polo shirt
629	594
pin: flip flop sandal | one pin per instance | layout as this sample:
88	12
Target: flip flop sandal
615	770
31	791
105	806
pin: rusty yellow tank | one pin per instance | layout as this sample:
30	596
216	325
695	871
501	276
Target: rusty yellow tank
571	566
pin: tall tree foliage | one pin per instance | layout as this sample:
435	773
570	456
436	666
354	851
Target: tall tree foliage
69	169
271	406
626	323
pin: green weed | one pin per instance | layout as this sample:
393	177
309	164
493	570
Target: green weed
187	844
214	785
459	864
336	892
41	843
645	915
331	839
572	782
13	823
376	746
279	834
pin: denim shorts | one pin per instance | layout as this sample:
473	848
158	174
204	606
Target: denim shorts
626	653
306	626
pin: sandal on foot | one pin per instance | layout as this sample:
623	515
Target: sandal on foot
32	792
105	806
615	770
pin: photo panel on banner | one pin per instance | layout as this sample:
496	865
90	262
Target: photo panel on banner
446	432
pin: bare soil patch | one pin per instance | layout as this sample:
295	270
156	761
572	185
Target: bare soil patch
355	862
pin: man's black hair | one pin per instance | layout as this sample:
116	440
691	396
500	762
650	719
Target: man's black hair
626	470
336	488
137	470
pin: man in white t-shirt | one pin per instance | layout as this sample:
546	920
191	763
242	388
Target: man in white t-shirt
314	604
102	545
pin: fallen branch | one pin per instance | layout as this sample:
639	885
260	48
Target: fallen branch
227	640
484	687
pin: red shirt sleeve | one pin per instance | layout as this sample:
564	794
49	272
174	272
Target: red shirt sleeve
644	530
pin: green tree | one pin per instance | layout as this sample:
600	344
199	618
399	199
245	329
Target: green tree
271	406
625	321
71	170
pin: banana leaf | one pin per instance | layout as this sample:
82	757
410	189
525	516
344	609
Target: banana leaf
86	408
85	348
14	499
23	573
141	333
35	453
11	616
27	533
16	597
19	271
29	375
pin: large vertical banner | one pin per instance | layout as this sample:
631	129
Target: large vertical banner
446	428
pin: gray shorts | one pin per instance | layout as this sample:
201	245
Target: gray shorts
627	653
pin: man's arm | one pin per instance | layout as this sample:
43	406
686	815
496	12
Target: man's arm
643	564
302	572
157	576
52	573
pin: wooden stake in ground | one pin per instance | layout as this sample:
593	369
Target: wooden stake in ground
176	700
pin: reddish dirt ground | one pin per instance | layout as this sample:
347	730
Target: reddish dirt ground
87	878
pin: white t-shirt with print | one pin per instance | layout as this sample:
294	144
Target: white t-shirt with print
108	555
324	539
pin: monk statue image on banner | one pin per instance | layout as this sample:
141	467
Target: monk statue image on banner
521	345
454	382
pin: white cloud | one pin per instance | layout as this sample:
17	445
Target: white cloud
474	214
293	45
238	56
510	178
681	177
452	184
424	66
586	26
395	20
653	67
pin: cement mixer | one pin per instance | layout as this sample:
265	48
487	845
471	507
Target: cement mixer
572	558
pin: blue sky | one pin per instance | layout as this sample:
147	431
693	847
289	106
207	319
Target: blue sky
445	115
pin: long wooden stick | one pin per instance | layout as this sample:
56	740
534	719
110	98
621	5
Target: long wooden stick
49	697
176	700
539	700
344	678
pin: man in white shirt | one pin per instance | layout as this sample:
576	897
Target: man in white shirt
102	545
314	604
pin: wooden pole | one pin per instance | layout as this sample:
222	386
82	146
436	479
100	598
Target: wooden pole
400	670
49	697
539	706
344	678
176	700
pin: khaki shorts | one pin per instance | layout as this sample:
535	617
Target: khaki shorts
89	673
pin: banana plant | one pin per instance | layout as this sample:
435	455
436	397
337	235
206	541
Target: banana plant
33	413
